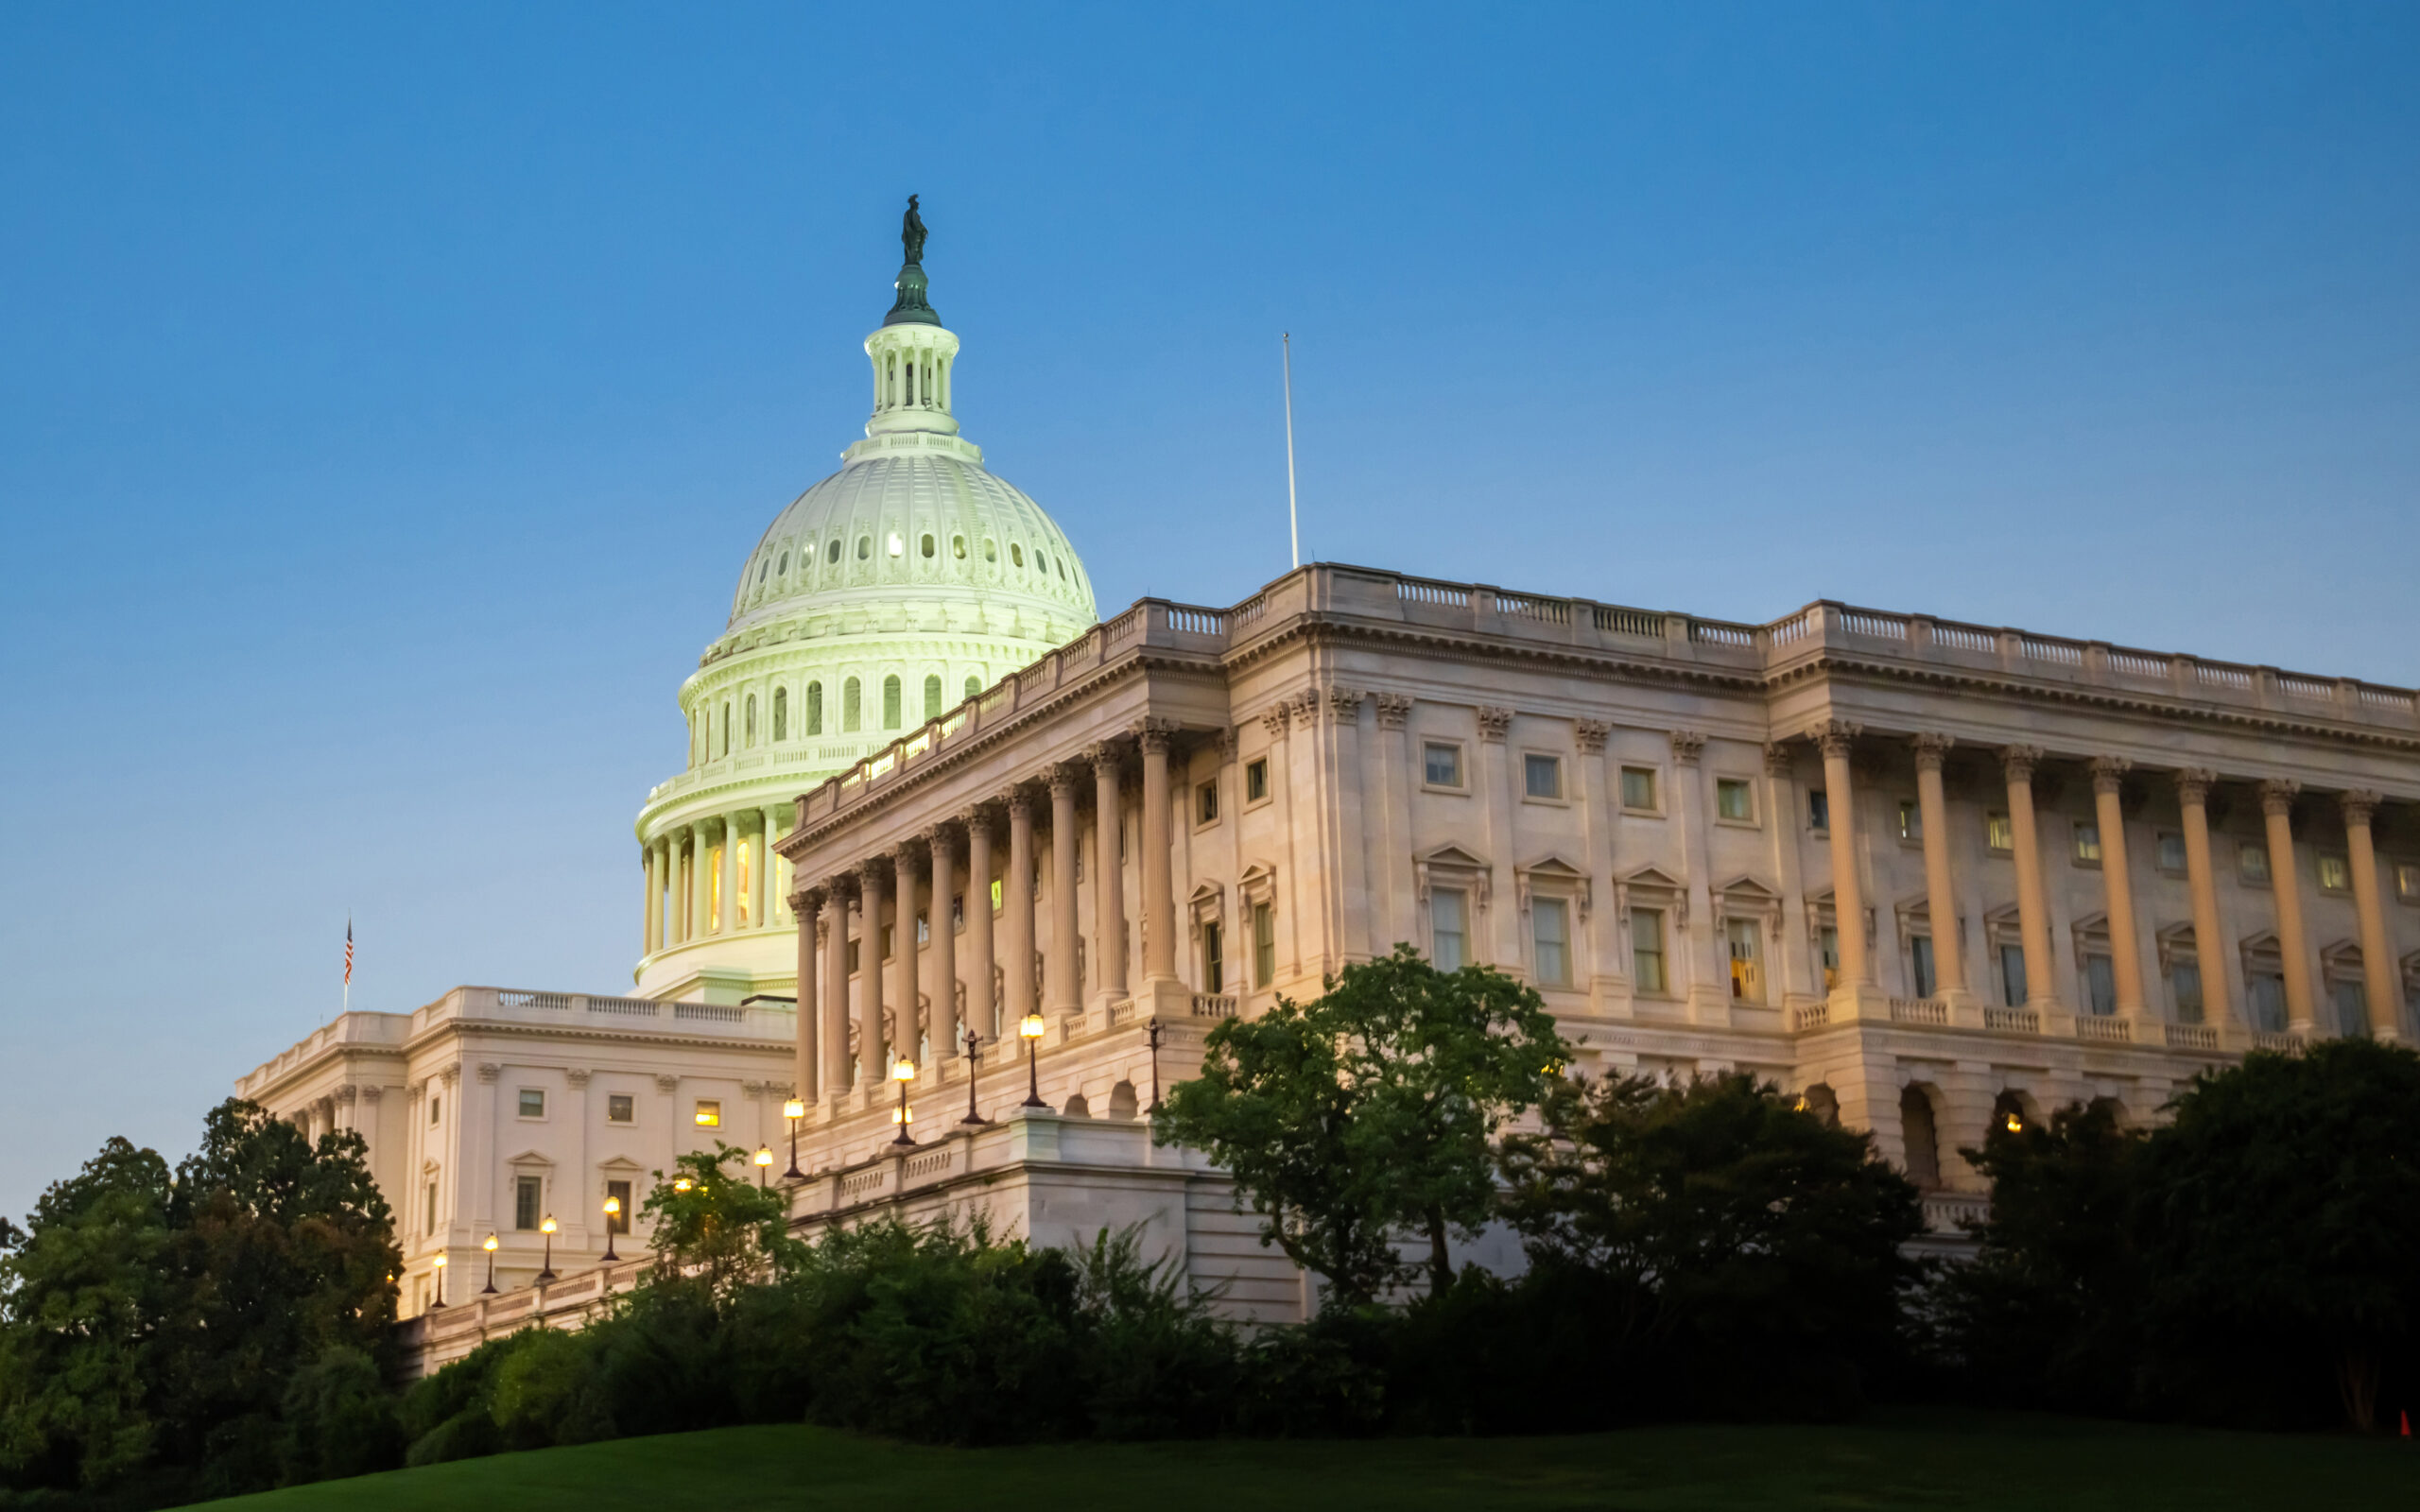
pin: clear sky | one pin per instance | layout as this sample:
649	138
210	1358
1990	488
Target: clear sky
389	396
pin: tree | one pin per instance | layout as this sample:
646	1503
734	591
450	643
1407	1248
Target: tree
715	1229
1370	1111
1726	1228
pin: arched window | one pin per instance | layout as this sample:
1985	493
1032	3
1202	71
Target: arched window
849	710
897	545
1917	1129
1042	560
832	552
764	572
726	728
890	702
928	547
1063	568
957	547
1016	555
865	547
911	383
991	549
780	714
784	568
933	698
751	720
973	684
815	708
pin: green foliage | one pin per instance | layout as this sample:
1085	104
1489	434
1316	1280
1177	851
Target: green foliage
1370	1112
713	1222
339	1420
153	1328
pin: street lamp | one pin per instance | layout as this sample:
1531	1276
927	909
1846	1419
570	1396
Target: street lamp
1030	1029
438	1265
547	1226
974	1044
1152	1036
794	1109
489	1248
764	1163
613	1216
903	1071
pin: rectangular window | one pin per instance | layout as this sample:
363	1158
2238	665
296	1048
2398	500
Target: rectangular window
1543	776
1448	920
528	1191
1998	834
1264	944
2087	843
1911	820
1744	940
2335	873
1920	956
1550	937
849	955
1638	788
1205	802
1647	949
2185	980
2252	863
924	930
1440	764
620	1107
2012	990
1256	781
957	912
996	895
889	931
1734	800
2268	1002
709	1113
533	1102
2100	985
2406	881
618	1221
433	1104
429	1223
2170	847
1214	963
1828	945
1818	811
2352	1010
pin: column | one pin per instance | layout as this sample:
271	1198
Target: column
1159	887
1392	757
1941	898
1109	873
872	1067
653	880
1597	822
1493	929
700	888
1798	973
2033	914
774	892
909	1012
1837	738
1061	989
941	844
2108	772
1018	905
760	874
835	995
982	1010
1709	989
2210	950
2286	879
668	899
2380	974
727	921
809	906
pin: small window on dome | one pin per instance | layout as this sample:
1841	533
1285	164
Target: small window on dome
832	554
784	568
957	547
890	702
780	714
896	544
991	549
815	708
973	684
929	546
1016	554
751	720
932	698
1063	568
865	547
850	713
764	572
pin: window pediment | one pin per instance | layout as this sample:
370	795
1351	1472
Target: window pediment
530	1160
1650	887
1451	866
1556	877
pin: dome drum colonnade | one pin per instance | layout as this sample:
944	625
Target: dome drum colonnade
842	918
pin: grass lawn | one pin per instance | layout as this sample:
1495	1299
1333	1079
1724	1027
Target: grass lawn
1901	1459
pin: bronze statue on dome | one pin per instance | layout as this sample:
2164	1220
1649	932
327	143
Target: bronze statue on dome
911	231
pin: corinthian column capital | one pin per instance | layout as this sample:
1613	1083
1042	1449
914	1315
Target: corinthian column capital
2360	805
1155	735
1591	735
1932	750
1687	746
1493	723
2193	785
2020	762
2277	795
1835	737
2108	772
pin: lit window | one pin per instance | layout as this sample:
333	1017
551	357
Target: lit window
2252	863
1828	945
2335	873
620	1107
528	1195
1442	765
2170	847
1256	781
1264	944
618	1221
2100	985
1998	832
1743	939
1205	802
996	895
1214	963
2406	881
2088	844
1543	776
1734	799
709	1113
1448	910
533	1102
1912	819
1550	939
896	545
1638	788
1647	949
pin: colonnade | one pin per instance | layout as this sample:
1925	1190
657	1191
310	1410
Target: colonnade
695	885
2019	763
1006	968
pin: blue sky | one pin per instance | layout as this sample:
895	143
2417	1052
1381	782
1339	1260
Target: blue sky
388	397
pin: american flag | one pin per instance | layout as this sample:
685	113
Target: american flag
348	952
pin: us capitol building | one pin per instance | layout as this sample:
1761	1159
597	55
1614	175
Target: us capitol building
1929	876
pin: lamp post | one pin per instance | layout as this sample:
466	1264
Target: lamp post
547	1226
439	1266
489	1248
764	1163
1030	1029
794	1109
903	1071
1151	1035
613	1216
974	1044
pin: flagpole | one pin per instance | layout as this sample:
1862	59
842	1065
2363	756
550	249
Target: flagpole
1293	522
